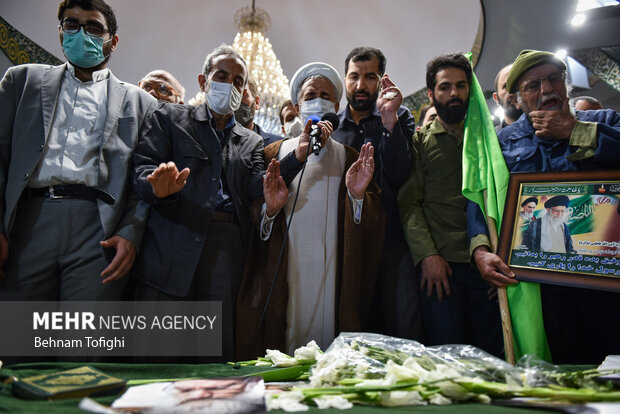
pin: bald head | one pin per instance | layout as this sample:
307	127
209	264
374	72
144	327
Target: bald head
163	86
586	103
500	96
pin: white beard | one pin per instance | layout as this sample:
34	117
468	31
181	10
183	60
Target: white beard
555	222
551	224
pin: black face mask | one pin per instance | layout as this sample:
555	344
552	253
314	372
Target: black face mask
452	114
244	115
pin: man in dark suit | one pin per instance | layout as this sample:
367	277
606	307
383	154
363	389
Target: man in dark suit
70	227
200	170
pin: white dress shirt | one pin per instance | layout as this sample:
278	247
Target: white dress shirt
71	151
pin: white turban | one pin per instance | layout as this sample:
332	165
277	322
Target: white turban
315	68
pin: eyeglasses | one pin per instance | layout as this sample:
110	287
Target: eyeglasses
72	27
161	88
533	86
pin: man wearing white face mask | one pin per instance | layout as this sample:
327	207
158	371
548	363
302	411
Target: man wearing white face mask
200	170
292	127
66	137
325	283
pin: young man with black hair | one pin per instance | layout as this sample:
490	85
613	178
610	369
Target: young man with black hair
455	305
66	137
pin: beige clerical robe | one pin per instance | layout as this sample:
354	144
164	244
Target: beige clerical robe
314	298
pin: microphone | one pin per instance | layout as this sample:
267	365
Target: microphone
315	133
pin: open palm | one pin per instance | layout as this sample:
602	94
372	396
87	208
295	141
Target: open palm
274	189
361	171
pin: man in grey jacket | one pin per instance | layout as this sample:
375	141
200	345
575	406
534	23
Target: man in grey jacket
70	224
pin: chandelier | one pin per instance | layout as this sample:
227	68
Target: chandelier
263	65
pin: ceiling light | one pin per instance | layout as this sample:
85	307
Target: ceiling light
263	65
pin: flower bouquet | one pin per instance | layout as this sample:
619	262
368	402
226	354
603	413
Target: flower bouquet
372	369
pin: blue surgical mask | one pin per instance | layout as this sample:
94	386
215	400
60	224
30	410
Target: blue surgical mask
317	106
83	50
223	98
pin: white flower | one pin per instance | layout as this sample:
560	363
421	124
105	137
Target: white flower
413	364
400	398
454	391
332	401
442	371
361	369
309	352
327	370
439	399
402	372
280	359
290	401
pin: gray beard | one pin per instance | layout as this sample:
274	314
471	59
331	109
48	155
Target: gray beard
556	222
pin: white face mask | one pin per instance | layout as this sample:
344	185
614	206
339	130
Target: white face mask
223	98
318	107
293	128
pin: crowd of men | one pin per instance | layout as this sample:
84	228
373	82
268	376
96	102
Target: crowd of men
354	222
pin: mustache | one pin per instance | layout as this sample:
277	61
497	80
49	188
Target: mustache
545	98
453	100
366	94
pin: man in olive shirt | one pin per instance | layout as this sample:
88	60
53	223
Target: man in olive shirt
455	306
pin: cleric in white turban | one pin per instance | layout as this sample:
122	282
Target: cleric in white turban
315	69
327	275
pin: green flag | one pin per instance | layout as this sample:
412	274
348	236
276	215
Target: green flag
582	216
484	168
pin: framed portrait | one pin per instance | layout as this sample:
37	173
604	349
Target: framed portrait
563	228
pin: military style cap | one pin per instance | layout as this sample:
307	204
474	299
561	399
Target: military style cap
526	60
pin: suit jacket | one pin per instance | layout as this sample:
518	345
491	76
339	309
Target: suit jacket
359	255
29	94
268	137
179	224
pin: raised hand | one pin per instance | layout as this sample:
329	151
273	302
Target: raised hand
167	179
361	171
389	100
554	124
274	189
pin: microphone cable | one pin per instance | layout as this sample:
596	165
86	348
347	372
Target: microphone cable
275	273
